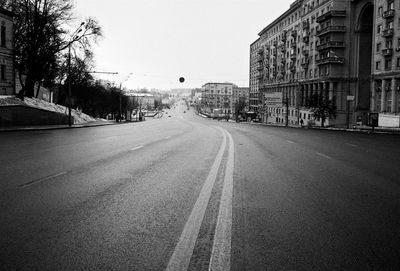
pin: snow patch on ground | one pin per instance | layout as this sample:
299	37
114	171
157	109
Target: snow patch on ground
78	116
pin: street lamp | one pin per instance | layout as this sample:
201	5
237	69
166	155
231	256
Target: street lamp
120	93
74	38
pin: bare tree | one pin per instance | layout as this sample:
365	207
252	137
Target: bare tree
42	34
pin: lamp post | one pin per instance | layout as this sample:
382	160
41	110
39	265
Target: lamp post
73	39
120	93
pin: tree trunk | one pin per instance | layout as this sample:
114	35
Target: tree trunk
38	90
29	86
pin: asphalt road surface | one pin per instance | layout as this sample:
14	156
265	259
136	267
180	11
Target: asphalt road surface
189	193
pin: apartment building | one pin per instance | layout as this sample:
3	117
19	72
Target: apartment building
385	90
322	50
218	96
7	73
240	94
256	67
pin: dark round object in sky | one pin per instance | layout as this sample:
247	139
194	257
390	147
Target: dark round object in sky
181	79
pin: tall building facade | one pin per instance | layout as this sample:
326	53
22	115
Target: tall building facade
7	71
339	52
256	59
385	90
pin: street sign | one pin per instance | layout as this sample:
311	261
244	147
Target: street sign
350	97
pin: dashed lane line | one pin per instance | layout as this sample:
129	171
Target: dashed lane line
352	145
291	142
42	179
323	155
183	252
221	251
137	148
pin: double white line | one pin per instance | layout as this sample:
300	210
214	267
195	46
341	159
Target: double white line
221	251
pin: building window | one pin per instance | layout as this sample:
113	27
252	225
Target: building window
378	65
380	11
3	36
3	72
379	29
388	63
398	62
378	47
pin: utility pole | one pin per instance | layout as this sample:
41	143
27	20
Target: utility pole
287	108
69	87
73	39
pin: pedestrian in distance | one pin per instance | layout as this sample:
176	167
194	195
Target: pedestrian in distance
301	122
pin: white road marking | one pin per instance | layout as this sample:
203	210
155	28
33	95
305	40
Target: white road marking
136	148
42	179
323	155
352	145
180	259
221	251
291	142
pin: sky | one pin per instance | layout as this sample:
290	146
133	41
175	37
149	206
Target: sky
159	41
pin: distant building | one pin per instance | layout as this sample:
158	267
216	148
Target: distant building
221	97
7	70
143	101
240	94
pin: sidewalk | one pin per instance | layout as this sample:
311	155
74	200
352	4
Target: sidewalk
55	127
360	129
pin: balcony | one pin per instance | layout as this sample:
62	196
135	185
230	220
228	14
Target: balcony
283	37
330	29
260	68
292	68
330	44
260	58
306	52
306	25
387	52
331	13
388	14
294	33
389	32
330	60
306	39
293	55
305	63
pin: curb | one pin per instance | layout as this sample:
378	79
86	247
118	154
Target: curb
360	130
78	126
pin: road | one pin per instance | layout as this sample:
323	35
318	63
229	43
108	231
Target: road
188	193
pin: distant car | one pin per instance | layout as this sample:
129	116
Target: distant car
169	116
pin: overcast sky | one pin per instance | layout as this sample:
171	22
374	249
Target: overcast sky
160	40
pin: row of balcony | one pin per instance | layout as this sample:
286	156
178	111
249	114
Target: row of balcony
330	29
388	14
330	60
330	44
388	32
331	13
387	51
